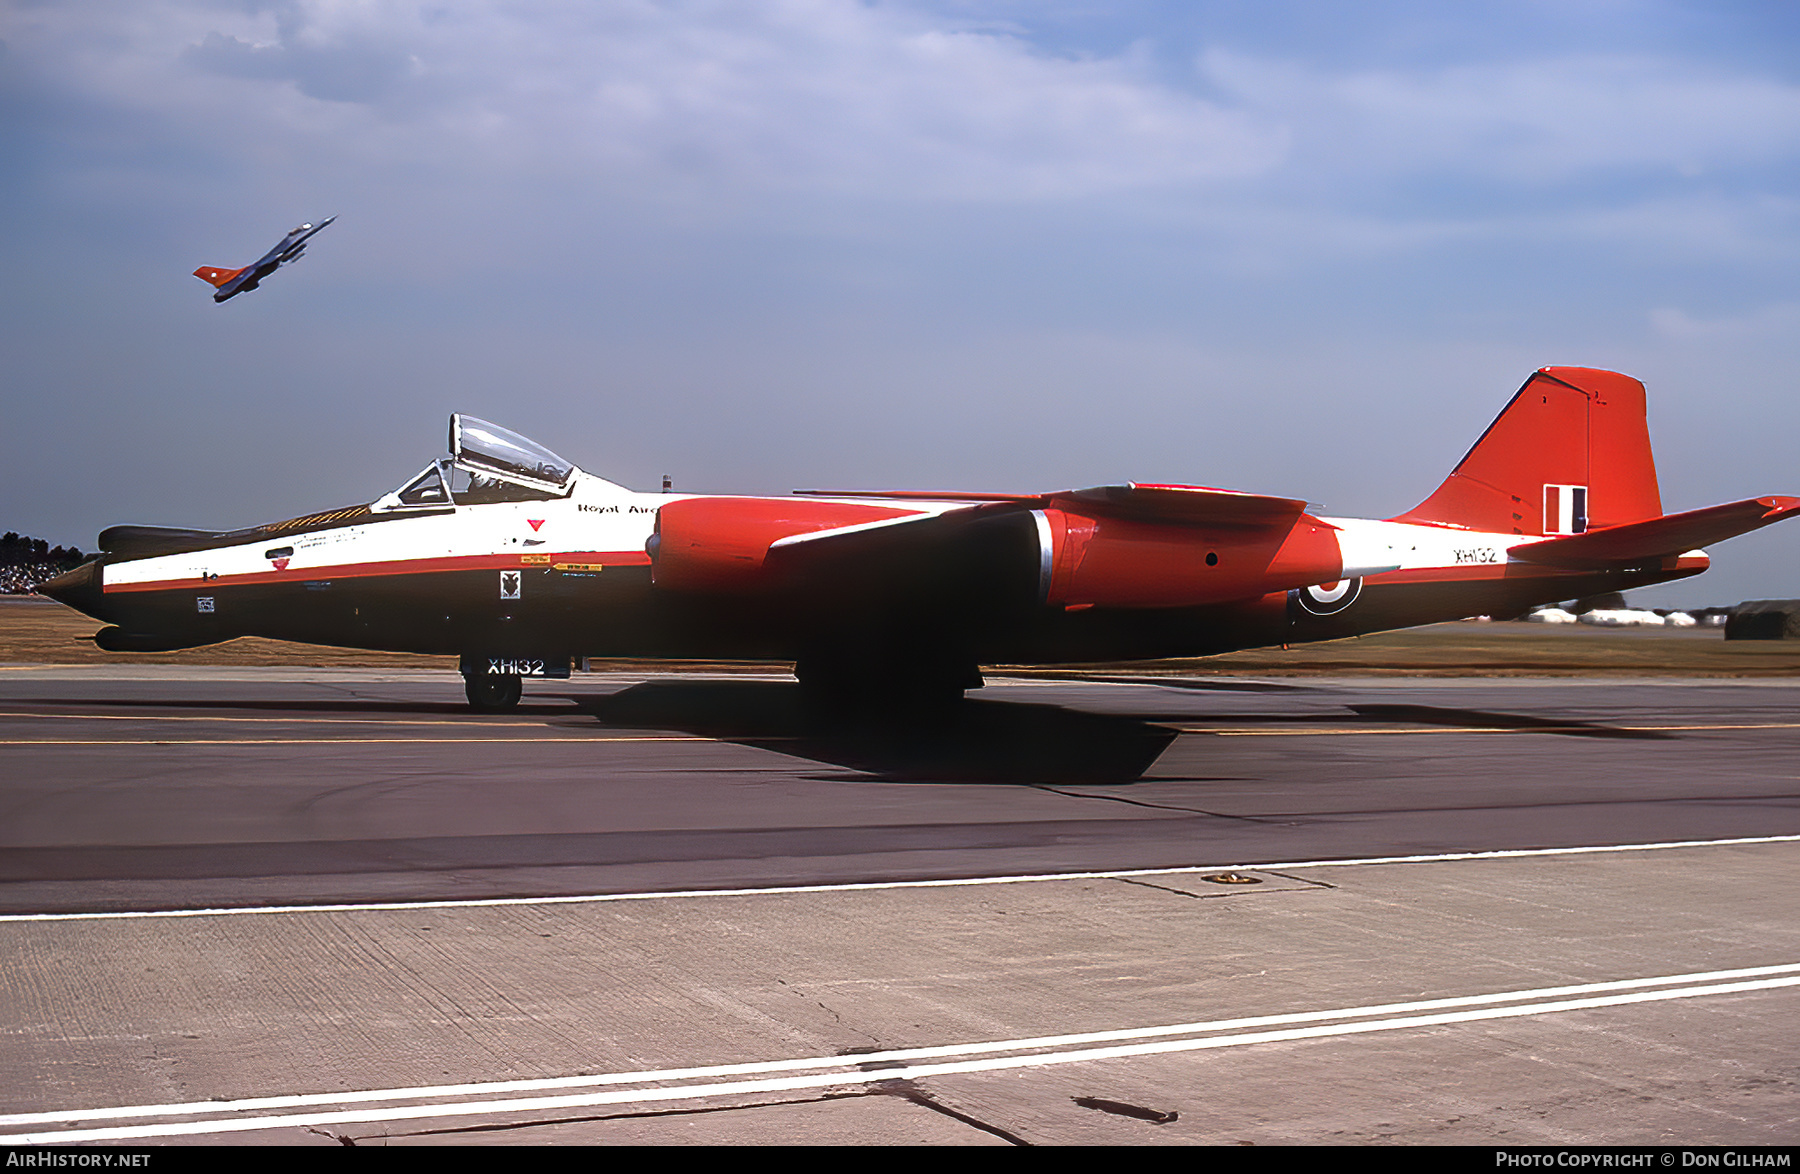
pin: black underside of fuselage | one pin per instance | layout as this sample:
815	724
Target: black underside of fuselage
619	613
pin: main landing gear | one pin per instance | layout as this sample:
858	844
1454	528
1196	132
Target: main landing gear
838	685
492	692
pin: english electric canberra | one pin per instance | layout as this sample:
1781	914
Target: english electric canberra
521	564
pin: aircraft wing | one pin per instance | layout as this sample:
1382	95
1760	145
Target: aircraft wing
1191	504
150	541
991	547
967	554
1194	505
1658	537
294	243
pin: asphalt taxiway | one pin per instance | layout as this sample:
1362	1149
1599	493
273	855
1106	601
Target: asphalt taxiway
685	909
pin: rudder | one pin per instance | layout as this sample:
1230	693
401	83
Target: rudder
1570	453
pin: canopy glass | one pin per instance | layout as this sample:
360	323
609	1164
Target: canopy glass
487	464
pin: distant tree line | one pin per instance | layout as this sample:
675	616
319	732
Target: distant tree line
16	550
26	562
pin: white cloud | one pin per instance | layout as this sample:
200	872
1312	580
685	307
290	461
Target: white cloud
820	95
1534	120
722	108
1778	323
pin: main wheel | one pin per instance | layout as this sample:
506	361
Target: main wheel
492	692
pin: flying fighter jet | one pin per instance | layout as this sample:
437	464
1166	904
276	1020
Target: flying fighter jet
232	282
510	557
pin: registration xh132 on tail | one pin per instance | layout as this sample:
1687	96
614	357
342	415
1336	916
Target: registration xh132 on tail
512	558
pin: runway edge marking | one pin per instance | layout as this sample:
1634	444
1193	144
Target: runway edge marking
883	1074
853	1060
870	886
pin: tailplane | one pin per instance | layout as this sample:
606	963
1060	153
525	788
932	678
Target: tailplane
1656	538
1570	453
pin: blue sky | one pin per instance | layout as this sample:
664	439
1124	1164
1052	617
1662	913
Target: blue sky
1307	249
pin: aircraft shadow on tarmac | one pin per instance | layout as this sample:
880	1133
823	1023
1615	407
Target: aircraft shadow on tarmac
974	742
983	741
978	741
1443	717
1433	715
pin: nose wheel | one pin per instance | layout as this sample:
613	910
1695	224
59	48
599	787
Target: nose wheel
492	692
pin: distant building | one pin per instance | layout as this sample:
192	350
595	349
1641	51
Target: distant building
1764	619
1621	617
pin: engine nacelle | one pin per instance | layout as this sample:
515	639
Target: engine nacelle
1138	563
721	544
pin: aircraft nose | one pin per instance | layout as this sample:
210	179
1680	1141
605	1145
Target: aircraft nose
79	589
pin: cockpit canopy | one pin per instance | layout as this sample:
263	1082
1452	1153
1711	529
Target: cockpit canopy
481	447
487	464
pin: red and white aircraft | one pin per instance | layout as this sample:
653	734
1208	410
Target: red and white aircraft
232	282
512	558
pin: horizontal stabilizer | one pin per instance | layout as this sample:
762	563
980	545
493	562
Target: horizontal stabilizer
1659	537
217	277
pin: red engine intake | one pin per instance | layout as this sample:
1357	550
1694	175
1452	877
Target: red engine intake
720	544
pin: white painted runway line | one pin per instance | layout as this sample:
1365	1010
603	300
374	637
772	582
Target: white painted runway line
1547	728
871	886
694	1083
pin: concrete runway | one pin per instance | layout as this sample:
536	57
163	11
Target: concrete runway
1340	997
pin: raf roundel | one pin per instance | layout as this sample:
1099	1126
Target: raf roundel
1329	598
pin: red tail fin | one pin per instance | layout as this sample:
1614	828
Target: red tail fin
1570	453
217	277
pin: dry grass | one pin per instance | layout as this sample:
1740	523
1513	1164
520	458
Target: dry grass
38	631
1472	649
